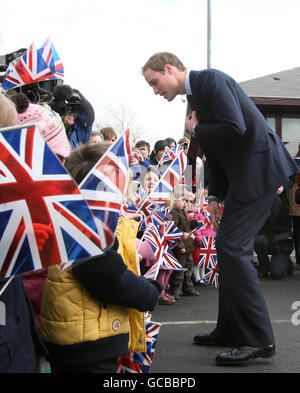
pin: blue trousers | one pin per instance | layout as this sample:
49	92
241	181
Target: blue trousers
242	316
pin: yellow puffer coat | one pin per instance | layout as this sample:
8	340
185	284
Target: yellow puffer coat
126	234
70	315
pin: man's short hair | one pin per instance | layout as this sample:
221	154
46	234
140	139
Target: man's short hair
158	61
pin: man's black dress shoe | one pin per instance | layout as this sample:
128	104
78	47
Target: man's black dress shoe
244	354
209	339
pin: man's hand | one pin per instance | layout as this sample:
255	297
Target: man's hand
215	214
190	121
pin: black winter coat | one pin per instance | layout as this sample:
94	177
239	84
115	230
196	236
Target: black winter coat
20	343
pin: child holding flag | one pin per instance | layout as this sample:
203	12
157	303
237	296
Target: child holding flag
85	309
180	281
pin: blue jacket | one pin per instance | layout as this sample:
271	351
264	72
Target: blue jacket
79	133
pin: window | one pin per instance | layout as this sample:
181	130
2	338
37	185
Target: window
290	129
271	122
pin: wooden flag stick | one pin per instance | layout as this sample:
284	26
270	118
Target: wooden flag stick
6	285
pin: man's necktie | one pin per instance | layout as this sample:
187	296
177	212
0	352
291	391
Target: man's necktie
193	148
190	101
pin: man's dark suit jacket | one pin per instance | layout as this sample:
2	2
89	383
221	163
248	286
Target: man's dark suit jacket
244	154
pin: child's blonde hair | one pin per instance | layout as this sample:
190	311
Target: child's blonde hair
179	192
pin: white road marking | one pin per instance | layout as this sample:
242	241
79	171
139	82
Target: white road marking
203	322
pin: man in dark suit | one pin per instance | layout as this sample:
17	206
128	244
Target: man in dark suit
248	163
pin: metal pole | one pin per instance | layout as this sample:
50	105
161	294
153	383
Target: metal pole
208	34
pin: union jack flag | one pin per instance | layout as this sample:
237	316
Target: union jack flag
152	273
208	253
147	208
36	191
205	221
140	362
150	204
152	331
50	55
168	155
127	366
177	149
31	67
160	216
103	188
139	203
212	275
171	232
156	240
168	181
161	251
130	205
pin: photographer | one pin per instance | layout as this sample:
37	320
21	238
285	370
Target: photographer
137	164
275	239
76	112
155	157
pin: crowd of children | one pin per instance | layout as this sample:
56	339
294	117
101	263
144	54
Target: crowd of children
185	214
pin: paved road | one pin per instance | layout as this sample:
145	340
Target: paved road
175	352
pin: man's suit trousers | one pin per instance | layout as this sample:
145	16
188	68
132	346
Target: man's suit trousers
243	317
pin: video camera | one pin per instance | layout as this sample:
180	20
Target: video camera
73	104
66	101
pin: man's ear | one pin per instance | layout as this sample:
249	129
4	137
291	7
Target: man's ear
169	69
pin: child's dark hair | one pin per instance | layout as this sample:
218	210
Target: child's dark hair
141	144
83	159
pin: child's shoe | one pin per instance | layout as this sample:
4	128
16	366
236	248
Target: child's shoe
171	297
166	301
200	283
